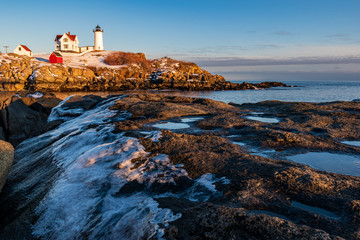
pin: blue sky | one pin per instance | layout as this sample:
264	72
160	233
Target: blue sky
243	39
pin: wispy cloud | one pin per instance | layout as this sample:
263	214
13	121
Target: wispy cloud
206	50
289	76
236	61
339	35
342	37
284	33
224	50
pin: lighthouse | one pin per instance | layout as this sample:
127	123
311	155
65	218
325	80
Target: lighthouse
98	38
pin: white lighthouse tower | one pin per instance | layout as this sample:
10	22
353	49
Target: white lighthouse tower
98	38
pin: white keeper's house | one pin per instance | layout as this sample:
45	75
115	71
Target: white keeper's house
67	43
23	50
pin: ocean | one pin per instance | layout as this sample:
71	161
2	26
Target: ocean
303	91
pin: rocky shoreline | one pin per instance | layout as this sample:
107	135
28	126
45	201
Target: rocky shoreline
20	73
260	196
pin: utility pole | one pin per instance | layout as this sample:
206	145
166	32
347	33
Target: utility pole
6	47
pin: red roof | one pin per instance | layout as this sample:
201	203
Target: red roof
25	48
72	37
56	54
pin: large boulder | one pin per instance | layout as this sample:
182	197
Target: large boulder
6	159
21	122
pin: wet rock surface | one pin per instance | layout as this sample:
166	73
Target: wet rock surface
250	196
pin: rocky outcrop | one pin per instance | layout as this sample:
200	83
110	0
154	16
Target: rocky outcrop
21	73
6	159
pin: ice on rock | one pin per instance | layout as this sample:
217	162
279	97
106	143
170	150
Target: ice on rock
204	188
154	136
35	95
155	169
95	164
60	113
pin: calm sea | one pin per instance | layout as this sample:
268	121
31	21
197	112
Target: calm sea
305	91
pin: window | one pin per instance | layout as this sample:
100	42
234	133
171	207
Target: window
66	46
19	48
65	40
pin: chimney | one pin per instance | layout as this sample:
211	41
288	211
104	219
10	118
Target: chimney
69	33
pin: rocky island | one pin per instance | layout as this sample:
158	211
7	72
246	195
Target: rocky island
110	71
148	166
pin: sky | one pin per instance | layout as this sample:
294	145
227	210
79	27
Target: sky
239	39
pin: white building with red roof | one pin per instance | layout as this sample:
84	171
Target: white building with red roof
23	50
67	43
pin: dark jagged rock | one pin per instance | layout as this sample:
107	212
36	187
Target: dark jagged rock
24	116
21	122
2	133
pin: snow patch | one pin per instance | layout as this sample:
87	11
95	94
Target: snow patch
154	136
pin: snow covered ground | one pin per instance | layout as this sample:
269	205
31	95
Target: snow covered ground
90	59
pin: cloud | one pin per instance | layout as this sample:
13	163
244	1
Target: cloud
223	49
284	33
236	61
339	35
289	76
267	46
342	37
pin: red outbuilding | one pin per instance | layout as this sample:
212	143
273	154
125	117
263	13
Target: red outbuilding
55	57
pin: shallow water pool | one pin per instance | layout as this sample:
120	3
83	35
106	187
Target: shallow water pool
263	119
331	162
353	143
316	210
191	119
171	125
